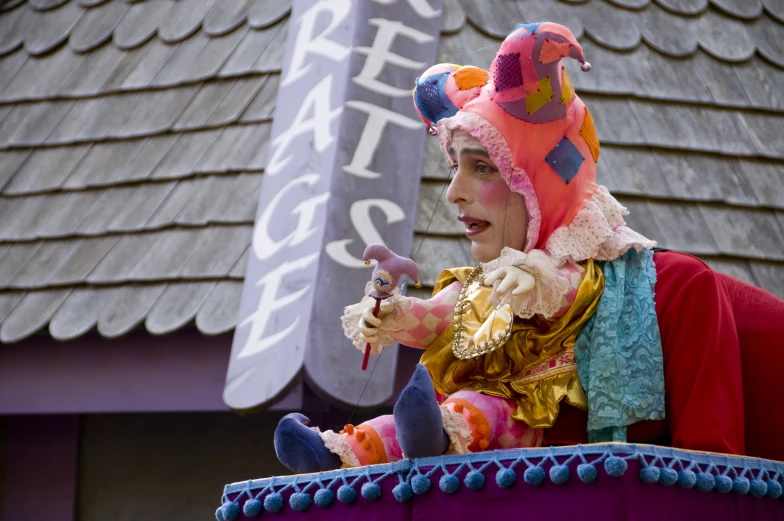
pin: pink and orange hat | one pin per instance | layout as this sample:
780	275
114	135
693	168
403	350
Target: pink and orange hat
541	137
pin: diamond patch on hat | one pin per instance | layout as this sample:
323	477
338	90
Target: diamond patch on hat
565	159
508	74
542	97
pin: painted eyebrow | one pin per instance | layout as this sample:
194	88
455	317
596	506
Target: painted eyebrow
473	152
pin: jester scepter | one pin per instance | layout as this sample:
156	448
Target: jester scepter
386	276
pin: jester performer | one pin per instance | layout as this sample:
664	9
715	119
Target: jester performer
572	328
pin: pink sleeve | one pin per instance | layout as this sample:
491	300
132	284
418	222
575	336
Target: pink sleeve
573	273
425	320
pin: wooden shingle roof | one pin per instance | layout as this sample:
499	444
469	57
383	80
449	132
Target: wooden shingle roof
133	140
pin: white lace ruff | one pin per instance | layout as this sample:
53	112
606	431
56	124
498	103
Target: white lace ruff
335	443
458	430
352	318
598	232
546	297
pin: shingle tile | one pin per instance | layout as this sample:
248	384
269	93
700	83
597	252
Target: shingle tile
658	76
101	161
768	37
637	172
699	177
52	28
250	50
263	104
45	169
42	76
747	9
666	32
766	131
723	37
31	314
177	306
96	26
767	180
22	217
238	202
30	124
40	5
10	64
687	7
746	233
218	313
453	17
444	216
264	13
104	210
631	4
91	3
774	8
477	48
122	258
140	206
79	313
153	112
145	64
204	104
15	25
271	59
185	154
140	23
237	100
237	148
439	253
8	301
14	259
434	166
183	20
175	202
721	80
72	126
11	162
238	270
127	309
738	269
763	83
88	254
496	18
93	71
183	59
151	154
684	228
218	252
68	215
37	271
225	17
615	121
770	276
610	26
168	255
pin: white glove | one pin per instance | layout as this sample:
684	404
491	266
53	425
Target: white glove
368	326
512	278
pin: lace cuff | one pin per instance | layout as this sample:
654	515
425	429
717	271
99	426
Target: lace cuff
545	298
352	318
458	431
335	443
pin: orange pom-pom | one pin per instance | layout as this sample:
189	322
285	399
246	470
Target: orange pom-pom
367	444
459	407
350	429
360	435
483	444
483	429
373	459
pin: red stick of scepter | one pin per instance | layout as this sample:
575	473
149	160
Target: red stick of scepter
376	311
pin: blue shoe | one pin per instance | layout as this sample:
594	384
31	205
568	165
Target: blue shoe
420	431
300	448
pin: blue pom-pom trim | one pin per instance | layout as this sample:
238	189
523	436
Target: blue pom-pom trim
534	476
615	466
662	466
559	474
273	502
371	491
475	480
420	484
587	473
324	497
505	478
449	483
650	475
347	494
252	508
402	492
300	501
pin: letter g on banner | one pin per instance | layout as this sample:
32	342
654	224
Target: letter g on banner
263	245
360	218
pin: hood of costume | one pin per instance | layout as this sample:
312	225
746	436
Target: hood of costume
541	137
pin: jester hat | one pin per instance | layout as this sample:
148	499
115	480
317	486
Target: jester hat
541	137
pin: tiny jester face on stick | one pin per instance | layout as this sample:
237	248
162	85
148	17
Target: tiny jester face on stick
389	269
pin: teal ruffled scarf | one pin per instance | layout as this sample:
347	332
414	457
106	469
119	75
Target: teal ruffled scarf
619	351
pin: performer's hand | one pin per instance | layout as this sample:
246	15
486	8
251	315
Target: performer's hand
368	326
511	278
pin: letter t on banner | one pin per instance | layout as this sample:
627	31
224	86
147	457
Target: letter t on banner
344	164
